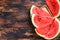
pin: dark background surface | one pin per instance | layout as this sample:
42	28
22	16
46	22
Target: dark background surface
15	22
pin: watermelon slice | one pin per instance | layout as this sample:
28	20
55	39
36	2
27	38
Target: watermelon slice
48	30
46	25
53	6
35	10
38	11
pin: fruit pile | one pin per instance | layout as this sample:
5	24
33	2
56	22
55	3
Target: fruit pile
46	23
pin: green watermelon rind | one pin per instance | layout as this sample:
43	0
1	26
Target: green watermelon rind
52	37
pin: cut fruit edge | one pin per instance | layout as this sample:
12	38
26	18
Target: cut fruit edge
52	37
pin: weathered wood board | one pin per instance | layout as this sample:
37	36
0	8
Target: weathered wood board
15	22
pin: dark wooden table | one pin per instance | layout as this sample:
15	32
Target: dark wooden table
15	22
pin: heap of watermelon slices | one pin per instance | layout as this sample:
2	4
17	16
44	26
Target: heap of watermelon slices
47	25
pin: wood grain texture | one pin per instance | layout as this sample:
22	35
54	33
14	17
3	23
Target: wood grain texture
15	22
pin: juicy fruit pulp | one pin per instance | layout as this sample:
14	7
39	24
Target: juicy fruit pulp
53	6
42	21
46	26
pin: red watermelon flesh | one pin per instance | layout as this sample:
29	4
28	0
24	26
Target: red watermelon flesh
46	25
53	30
42	20
53	6
39	11
48	28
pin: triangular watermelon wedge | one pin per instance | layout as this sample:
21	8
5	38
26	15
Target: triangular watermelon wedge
53	6
35	10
